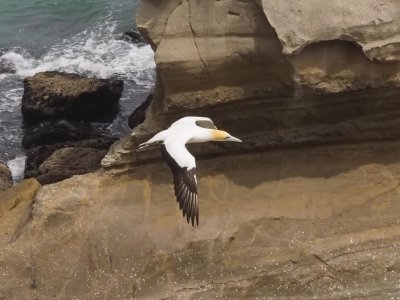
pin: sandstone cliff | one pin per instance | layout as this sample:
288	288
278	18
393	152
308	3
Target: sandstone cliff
276	73
276	220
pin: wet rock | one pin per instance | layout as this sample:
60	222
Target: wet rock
67	162
139	114
58	131
38	155
6	66
6	180
72	96
134	37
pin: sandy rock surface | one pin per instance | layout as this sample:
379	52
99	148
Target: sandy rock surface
320	222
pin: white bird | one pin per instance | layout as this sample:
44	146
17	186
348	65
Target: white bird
181	162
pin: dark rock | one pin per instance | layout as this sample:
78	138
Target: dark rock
6	66
134	37
139	114
72	96
66	162
58	131
37	155
6	180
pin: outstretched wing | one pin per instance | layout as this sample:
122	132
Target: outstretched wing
183	167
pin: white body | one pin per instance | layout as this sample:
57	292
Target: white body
180	133
182	163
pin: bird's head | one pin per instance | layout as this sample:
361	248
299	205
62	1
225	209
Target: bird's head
223	136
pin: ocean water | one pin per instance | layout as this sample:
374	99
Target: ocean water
81	36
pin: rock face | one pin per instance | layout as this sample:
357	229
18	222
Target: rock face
259	71
67	95
311	223
6	180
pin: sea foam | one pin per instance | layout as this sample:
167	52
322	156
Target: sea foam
96	52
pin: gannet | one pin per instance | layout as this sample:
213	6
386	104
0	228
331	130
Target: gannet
182	164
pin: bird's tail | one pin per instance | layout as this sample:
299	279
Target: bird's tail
154	141
146	146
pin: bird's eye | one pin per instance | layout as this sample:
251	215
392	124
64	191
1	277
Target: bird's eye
226	138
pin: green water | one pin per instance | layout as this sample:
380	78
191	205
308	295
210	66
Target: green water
80	36
38	24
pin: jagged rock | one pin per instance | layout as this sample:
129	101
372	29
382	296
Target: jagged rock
68	95
66	162
319	223
6	180
38	155
139	114
134	37
58	131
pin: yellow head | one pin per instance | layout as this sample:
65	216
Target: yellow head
223	136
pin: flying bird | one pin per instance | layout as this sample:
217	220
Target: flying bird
182	164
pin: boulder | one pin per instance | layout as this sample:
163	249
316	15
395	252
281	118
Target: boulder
57	131
67	162
6	180
36	156
139	114
134	37
72	96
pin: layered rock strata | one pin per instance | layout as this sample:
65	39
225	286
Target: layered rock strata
275	73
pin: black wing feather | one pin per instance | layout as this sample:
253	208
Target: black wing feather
206	124
185	187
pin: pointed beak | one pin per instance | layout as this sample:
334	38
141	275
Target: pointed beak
233	139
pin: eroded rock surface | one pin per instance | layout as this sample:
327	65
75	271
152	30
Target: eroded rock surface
277	74
305	223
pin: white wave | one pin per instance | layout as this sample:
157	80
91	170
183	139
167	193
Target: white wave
17	167
98	53
9	100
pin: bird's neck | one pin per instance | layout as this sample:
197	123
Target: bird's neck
201	136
